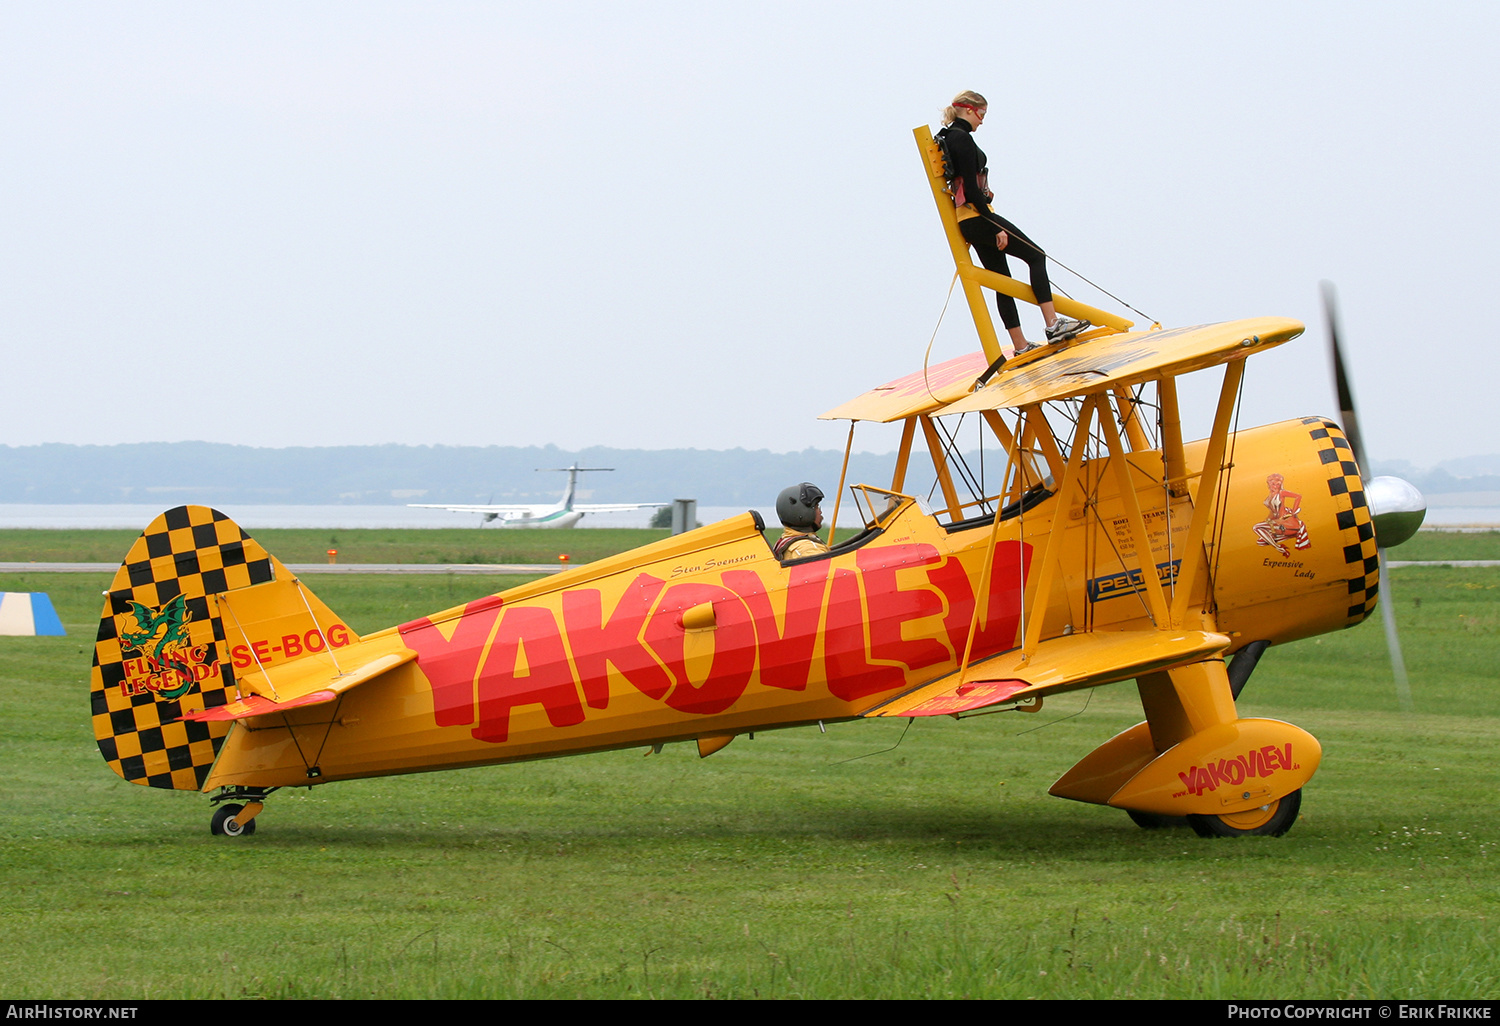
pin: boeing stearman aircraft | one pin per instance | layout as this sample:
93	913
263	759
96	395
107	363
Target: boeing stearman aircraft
564	513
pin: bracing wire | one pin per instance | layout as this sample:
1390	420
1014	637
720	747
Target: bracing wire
909	721
928	355
1070	270
1087	698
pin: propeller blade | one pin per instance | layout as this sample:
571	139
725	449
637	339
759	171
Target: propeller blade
1341	379
1392	642
1351	431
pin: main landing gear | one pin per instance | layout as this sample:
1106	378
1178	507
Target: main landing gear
1271	820
237	809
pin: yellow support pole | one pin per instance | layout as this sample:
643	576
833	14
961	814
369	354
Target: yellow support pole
1156	598
932	159
1016	290
1061	505
982	597
1013	451
1171	438
903	457
997	426
1130	420
1036	421
940	464
838	496
1194	555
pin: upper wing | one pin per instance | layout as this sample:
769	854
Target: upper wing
1127	359
1122	359
920	392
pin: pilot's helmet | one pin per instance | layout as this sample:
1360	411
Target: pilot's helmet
797	506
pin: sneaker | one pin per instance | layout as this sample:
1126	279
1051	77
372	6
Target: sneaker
1065	328
1031	347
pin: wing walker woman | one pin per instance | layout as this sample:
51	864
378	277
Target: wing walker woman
992	236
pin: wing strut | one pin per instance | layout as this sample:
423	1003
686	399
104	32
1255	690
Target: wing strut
903	457
1156	599
1171	437
1194	555
1053	552
940	463
838	496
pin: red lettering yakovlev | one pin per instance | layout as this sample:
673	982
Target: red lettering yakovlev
997	631
597	643
890	605
785	651
851	675
733	639
451	665
549	681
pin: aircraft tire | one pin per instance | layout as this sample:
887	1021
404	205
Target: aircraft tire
1270	821
1155	820
223	824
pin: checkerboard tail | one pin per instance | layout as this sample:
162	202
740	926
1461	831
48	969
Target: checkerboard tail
164	647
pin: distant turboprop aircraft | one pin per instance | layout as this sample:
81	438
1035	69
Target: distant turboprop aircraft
564	513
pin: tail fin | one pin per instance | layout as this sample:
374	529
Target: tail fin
195	599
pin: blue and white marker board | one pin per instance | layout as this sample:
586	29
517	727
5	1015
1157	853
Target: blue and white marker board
27	613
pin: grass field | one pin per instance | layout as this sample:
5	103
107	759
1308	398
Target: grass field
507	545
1449	545
871	861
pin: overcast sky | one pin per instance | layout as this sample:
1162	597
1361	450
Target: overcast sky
703	224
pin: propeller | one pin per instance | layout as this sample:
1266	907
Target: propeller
1396	506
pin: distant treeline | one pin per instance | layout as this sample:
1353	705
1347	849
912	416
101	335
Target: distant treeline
171	472
1440	479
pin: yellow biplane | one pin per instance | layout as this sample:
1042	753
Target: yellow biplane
1108	549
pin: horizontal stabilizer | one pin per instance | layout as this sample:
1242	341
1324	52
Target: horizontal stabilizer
295	691
1060	664
254	705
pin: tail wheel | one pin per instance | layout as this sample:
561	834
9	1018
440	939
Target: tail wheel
1155	820
223	824
1271	820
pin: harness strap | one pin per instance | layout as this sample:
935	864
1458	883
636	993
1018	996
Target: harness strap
782	544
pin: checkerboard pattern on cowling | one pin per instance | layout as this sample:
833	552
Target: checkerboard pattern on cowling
1356	528
195	552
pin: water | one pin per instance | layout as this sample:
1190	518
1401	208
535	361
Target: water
1441	515
136	516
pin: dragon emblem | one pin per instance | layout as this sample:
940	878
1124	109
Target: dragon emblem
161	635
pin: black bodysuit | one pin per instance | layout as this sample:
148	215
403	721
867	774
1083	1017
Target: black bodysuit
969	163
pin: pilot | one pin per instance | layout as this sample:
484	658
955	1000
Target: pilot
801	516
991	235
